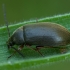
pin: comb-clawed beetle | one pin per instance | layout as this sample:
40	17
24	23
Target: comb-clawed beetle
40	34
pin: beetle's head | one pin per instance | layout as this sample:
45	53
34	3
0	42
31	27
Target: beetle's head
10	43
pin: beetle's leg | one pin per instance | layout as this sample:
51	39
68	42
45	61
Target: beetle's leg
36	49
63	50
11	55
19	49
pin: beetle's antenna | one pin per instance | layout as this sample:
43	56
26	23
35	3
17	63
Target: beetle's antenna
5	18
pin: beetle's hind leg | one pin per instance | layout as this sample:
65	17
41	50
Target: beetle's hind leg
63	50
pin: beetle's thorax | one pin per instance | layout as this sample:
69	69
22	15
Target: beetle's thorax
17	37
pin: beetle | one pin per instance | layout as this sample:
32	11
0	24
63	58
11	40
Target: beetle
40	34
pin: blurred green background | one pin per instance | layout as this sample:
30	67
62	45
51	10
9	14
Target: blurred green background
23	10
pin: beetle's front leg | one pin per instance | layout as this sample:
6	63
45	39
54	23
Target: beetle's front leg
19	49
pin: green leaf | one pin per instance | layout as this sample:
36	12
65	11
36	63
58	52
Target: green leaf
33	60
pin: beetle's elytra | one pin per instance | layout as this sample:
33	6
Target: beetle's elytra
40	34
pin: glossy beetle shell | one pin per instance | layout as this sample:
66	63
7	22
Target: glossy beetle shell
46	34
41	34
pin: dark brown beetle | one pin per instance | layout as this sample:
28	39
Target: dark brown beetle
43	34
40	34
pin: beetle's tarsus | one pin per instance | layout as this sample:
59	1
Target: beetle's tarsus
11	55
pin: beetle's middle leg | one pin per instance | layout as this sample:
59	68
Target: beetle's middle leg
36	49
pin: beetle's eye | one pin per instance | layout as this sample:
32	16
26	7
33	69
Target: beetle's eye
10	43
